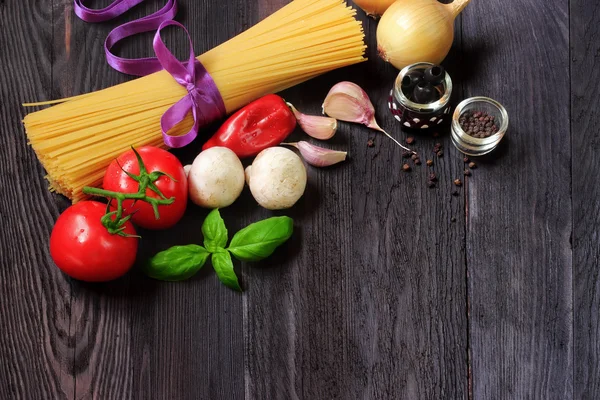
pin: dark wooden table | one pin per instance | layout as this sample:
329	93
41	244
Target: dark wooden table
388	289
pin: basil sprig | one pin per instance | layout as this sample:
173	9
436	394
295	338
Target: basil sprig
253	243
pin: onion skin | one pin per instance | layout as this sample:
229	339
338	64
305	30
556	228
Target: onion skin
412	31
374	8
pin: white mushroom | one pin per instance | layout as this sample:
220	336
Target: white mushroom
277	178
216	178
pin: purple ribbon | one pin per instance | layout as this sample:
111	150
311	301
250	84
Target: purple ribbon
203	98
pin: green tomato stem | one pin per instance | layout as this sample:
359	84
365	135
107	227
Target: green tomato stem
116	225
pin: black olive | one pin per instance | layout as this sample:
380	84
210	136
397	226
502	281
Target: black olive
435	74
411	80
425	93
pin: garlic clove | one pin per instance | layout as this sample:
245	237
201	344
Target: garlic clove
318	127
348	102
318	156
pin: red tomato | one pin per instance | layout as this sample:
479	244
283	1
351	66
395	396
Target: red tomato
155	159
83	249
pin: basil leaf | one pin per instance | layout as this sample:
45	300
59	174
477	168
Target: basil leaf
259	240
214	231
177	263
223	266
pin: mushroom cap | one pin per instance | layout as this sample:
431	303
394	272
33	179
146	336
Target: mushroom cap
216	178
277	178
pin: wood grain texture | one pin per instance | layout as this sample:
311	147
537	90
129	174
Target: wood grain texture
387	290
585	141
371	304
35	346
519	204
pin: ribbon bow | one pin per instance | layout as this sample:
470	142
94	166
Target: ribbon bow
203	98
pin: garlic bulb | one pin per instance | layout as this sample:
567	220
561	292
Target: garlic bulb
374	8
412	31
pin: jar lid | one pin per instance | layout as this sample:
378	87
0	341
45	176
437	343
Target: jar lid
417	107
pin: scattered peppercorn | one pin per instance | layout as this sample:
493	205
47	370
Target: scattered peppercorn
432	177
453	219
414	157
406	168
410	140
455	193
466	160
406	154
440	153
467	172
458	182
478	124
418	161
472	165
370	143
429	163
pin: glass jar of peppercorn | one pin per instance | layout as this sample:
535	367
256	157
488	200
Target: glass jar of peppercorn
420	96
478	125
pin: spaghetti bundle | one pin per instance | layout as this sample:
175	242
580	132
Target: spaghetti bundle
77	139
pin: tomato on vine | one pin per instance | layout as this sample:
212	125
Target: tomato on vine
167	180
83	248
95	242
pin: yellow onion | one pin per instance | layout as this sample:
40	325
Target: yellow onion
374	8
412	31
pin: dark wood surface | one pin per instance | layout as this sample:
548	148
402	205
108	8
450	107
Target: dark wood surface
387	290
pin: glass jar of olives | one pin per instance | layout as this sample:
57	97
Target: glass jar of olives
420	96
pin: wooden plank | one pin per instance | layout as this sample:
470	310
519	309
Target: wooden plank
369	298
519	206
156	340
584	31
35	308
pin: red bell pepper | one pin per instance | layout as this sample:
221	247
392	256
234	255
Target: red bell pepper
264	123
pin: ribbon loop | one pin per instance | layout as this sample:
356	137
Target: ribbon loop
130	66
113	10
203	98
